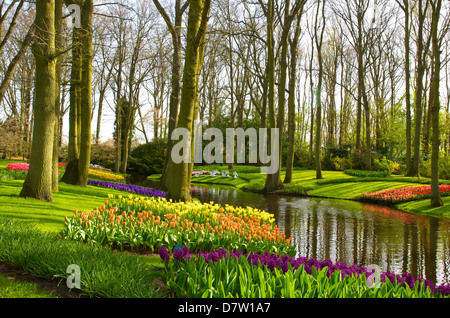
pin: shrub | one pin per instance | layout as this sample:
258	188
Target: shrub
341	164
368	174
104	154
147	159
384	164
444	168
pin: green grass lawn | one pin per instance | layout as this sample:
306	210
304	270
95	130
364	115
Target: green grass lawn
49	216
423	207
11	288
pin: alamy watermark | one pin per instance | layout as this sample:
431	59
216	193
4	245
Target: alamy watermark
221	147
374	279
74	279
74	16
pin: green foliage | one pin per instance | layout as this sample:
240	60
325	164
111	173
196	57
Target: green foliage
302	158
384	164
341	164
104	154
444	168
147	159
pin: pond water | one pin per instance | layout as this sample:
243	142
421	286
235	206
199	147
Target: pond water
351	232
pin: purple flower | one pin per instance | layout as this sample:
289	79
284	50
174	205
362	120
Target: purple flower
284	262
271	264
164	254
284	266
183	255
128	187
444	290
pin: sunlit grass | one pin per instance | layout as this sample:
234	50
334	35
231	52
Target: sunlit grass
11	288
424	207
49	216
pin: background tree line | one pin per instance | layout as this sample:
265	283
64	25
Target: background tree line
360	84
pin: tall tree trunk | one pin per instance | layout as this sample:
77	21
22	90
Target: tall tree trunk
436	200
368	138
86	91
273	180
419	92
311	125
318	135
407	88
38	182
58	44
291	102
177	180
71	174
99	116
175	94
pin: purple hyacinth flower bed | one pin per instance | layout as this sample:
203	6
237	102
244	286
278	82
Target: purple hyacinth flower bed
129	188
286	263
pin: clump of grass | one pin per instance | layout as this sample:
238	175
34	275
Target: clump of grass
104	272
6	174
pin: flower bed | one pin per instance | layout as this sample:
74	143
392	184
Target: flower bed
405	194
138	222
18	166
98	167
102	175
237	274
200	173
128	187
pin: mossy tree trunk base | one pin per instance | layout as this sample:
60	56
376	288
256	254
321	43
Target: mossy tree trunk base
72	175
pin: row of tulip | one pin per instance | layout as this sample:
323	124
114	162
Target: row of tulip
93	172
18	166
128	187
238	274
404	194
104	175
150	222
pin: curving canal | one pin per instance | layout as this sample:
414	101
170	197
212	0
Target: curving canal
352	232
